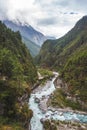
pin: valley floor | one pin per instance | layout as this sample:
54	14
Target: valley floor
50	116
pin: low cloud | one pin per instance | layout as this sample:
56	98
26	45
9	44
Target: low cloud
51	17
47	21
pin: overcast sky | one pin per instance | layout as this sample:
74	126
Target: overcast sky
51	17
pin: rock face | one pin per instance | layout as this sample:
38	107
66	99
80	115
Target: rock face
59	83
43	104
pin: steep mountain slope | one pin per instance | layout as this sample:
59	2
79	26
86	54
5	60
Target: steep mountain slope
17	75
27	31
69	55
33	48
29	35
75	73
65	46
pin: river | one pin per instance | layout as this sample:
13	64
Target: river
38	114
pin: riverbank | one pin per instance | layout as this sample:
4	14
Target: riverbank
39	104
61	99
43	102
63	125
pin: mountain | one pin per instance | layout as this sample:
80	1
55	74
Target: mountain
34	48
28	32
64	46
17	76
69	56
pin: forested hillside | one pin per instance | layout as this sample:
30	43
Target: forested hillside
33	48
31	37
69	56
17	75
59	50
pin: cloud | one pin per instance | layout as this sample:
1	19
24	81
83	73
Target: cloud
51	17
50	21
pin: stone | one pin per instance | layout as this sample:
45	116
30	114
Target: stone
37	100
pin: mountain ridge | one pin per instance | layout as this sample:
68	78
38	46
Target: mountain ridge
56	46
32	38
27	31
68	55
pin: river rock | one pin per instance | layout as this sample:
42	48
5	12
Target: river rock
42	120
37	100
43	97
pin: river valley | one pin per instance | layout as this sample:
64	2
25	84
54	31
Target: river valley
38	103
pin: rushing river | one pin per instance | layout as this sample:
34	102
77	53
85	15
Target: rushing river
56	115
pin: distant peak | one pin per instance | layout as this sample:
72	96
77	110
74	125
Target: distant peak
22	23
17	22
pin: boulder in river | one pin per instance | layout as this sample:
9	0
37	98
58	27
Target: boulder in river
37	100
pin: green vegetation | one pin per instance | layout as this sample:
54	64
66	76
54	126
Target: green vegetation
62	125
74	73
46	56
10	125
48	125
34	48
59	99
45	72
17	75
68	55
45	75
